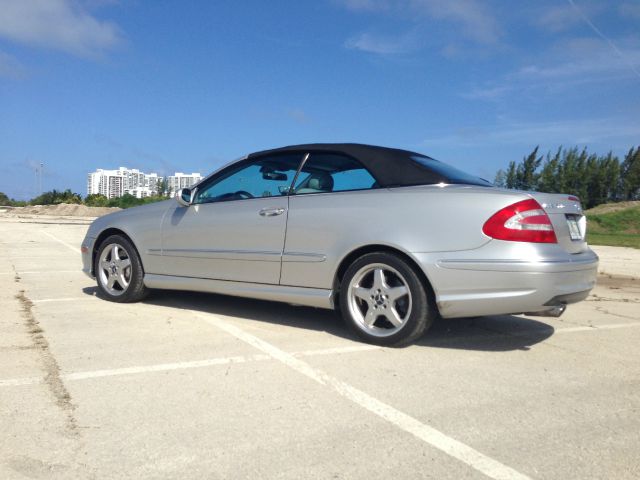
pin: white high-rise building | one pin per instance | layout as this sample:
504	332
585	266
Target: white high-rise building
181	180
93	182
105	182
115	183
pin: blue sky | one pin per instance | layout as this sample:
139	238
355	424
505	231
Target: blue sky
170	86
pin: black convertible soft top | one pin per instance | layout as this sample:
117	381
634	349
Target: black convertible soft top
391	167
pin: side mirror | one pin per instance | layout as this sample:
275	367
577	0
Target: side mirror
184	197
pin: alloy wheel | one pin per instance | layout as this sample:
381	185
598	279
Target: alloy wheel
114	269
379	300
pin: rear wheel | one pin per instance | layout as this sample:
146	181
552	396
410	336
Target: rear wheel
384	301
119	270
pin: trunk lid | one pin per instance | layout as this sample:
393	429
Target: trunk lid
567	217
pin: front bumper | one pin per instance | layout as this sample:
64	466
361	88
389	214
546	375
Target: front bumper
87	255
468	285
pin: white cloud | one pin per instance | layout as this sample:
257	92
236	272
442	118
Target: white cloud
558	18
382	44
474	18
10	67
570	132
367	5
298	115
99	3
628	9
58	24
586	57
490	92
612	45
572	62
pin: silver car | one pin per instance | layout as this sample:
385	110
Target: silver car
389	237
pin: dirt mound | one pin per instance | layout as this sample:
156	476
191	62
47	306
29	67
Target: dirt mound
64	210
613	207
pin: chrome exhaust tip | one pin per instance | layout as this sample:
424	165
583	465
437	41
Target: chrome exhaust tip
555	311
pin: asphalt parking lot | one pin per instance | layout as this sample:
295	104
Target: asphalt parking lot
190	385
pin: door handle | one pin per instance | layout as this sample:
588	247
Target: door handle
271	212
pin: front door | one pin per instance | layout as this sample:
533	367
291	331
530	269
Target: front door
235	227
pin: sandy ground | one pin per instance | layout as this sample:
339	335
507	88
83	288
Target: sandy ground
60	210
195	386
62	214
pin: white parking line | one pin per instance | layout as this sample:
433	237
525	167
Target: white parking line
30	257
165	367
69	246
15	382
45	272
594	328
329	351
464	453
63	299
52	272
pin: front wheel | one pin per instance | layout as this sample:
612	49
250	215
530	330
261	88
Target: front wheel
119	270
384	301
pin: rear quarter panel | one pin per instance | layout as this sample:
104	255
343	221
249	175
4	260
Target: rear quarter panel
322	229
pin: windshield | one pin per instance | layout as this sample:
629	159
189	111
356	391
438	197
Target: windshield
452	175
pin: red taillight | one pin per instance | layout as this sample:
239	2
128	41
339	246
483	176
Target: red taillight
523	221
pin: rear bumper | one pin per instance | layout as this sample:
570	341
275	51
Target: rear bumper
467	286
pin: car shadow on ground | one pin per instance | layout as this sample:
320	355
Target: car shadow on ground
497	333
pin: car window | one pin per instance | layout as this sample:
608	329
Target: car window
452	174
328	172
266	177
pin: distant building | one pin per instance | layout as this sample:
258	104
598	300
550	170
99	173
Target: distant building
181	180
115	183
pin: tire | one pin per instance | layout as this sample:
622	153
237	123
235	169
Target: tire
383	300
118	271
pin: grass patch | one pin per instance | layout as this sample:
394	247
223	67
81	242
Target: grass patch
618	228
614	239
